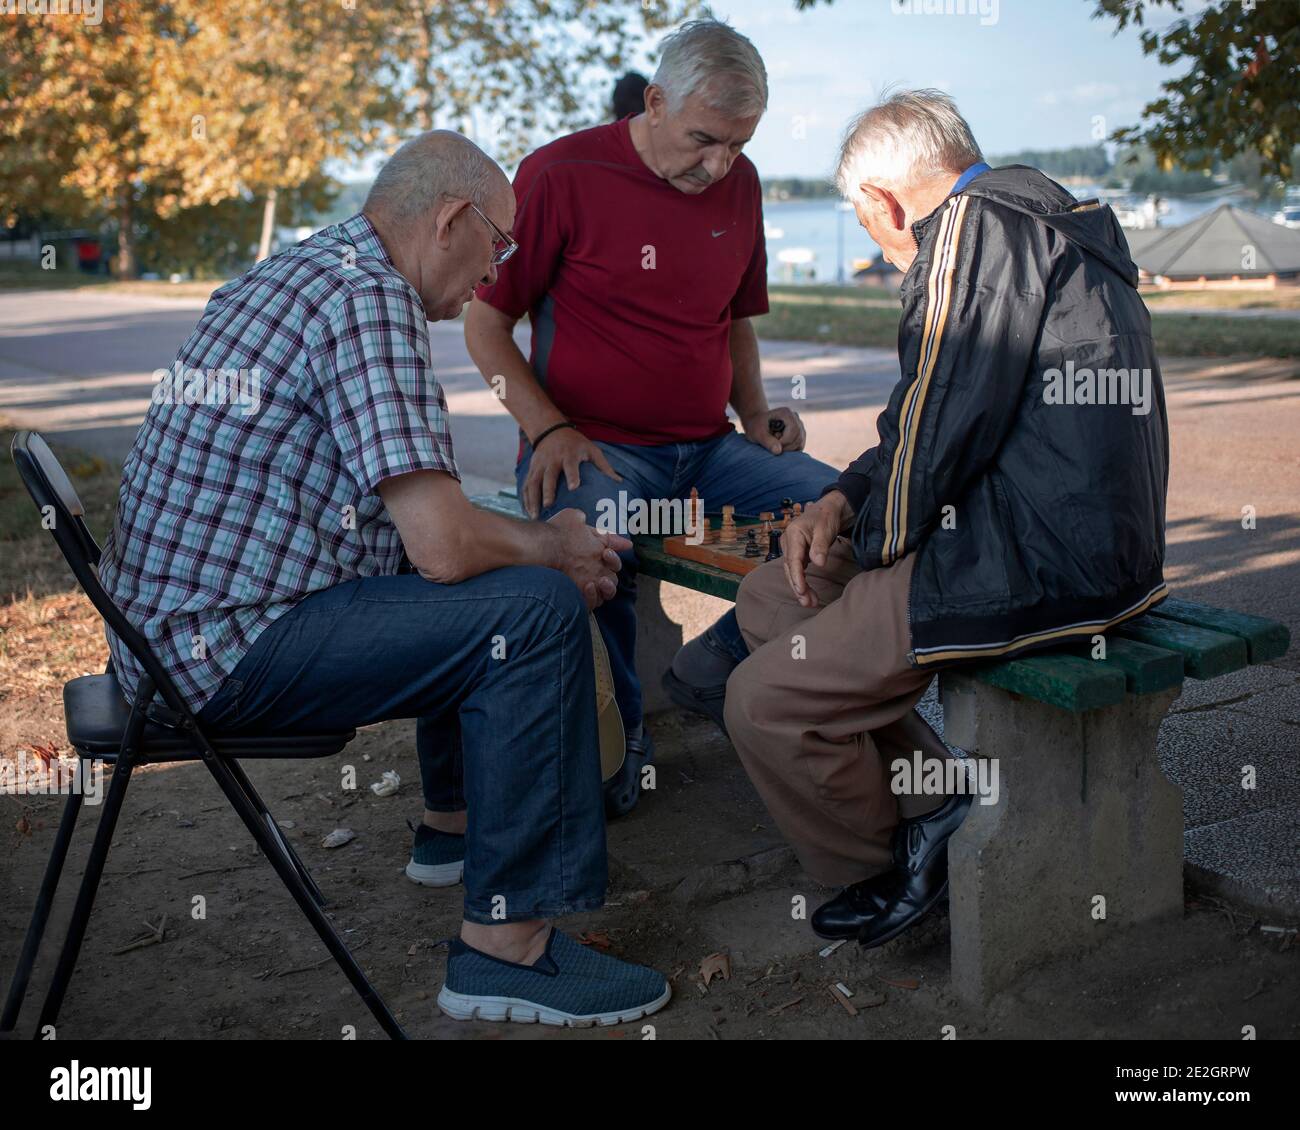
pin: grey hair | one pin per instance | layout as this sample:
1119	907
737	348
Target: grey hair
712	59
433	165
908	136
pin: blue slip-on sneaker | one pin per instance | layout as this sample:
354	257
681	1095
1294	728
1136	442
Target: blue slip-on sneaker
571	985
437	859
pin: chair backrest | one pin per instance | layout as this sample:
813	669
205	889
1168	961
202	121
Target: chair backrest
52	491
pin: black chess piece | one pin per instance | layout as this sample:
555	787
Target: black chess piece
776	427
773	545
751	544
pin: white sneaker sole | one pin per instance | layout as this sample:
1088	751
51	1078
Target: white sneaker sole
462	1007
435	874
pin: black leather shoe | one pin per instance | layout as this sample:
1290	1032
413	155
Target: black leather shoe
623	790
708	701
878	909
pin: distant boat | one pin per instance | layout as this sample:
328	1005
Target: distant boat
1143	215
797	263
1289	216
770	232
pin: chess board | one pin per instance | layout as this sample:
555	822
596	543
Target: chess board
725	540
730	558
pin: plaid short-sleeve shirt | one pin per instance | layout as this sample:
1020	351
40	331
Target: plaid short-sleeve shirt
251	483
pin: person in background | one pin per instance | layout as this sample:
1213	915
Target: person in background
629	95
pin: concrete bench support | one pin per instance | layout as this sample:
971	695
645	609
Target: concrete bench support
667	616
1084	810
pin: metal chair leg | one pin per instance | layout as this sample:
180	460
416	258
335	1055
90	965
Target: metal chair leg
86	894
41	912
241	778
289	875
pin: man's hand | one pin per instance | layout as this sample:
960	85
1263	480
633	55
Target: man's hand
808	538
588	557
758	429
563	451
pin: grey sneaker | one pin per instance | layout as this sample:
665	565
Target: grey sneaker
437	858
571	985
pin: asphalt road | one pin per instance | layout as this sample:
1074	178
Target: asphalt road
78	366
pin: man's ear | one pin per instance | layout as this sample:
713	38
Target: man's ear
448	212
656	104
886	204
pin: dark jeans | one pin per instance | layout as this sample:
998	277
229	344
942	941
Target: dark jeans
498	671
726	471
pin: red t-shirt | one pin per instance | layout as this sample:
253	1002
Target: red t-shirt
631	285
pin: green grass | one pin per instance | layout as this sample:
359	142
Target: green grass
29	558
858	316
29	276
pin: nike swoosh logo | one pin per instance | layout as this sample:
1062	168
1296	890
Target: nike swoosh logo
718	233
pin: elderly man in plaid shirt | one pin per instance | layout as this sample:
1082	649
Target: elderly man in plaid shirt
295	457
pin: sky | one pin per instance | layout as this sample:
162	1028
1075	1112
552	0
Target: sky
1026	74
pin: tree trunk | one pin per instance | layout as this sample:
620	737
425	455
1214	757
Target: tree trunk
124	264
268	226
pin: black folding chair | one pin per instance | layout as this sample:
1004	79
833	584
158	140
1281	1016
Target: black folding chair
103	727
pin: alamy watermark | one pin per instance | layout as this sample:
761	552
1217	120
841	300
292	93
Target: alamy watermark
90	11
1098	386
950	776
986	10
33	776
213	387
658	517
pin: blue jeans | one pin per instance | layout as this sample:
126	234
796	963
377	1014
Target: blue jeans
728	470
498	671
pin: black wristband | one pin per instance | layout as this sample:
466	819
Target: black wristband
552	428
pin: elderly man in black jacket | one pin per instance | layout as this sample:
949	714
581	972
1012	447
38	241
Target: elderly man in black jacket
1015	499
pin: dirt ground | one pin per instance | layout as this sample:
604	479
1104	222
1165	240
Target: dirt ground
697	870
685	886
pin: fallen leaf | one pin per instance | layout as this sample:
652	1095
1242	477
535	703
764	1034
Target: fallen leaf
338	838
716	964
24	826
782	1007
597	938
902	982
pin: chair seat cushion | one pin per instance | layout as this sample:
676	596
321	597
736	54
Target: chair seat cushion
97	714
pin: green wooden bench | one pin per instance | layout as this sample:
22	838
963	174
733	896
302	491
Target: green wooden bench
1087	832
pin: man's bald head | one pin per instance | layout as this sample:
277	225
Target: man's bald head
429	168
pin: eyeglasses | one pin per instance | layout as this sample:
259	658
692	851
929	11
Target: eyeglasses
503	245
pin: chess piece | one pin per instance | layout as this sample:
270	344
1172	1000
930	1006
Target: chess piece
787	511
773	545
751	544
708	533
693	514
798	509
727	535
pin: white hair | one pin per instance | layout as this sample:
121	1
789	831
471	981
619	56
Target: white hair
908	136
712	59
429	167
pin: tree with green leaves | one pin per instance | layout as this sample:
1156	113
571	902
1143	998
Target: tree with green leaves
1240	90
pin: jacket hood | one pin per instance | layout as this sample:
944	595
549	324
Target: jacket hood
1089	224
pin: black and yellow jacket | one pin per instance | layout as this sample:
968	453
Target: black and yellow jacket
1024	454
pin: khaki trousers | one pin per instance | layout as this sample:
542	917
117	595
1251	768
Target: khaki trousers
824	704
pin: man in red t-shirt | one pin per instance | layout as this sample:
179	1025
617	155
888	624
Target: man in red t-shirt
640	263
